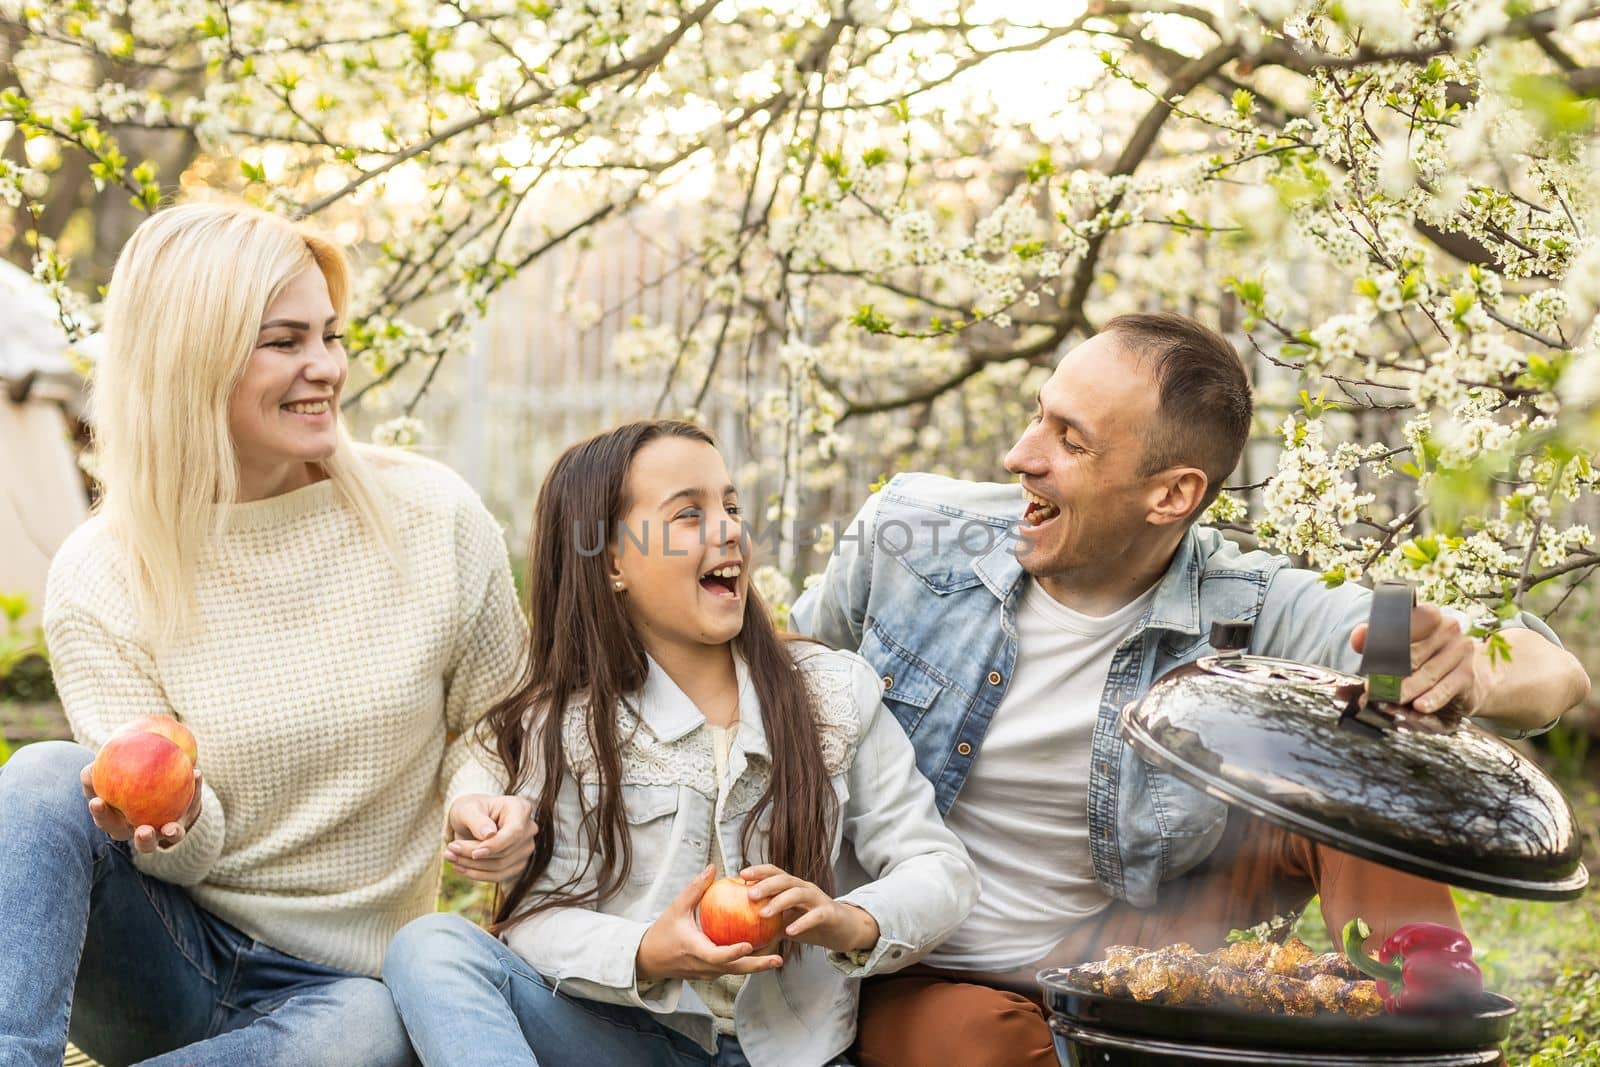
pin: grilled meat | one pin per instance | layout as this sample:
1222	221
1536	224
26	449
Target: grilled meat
1247	975
1122	955
1287	959
1334	963
1170	976
1087	978
1333	993
1288	995
1244	955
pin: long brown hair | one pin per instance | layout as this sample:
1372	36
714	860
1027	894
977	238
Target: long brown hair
583	646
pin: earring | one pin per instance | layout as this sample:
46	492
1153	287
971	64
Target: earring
617	585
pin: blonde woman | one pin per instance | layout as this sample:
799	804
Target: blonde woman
329	620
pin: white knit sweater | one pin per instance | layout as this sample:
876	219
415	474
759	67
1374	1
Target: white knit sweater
322	689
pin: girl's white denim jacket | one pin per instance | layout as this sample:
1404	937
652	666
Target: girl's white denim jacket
804	1013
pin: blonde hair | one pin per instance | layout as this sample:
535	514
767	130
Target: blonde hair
185	306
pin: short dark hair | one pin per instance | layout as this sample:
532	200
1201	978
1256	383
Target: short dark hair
1204	407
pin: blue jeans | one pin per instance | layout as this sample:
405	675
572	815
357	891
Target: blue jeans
142	972
468	999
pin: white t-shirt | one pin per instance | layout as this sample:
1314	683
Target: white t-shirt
1023	810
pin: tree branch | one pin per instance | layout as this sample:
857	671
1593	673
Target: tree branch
642	62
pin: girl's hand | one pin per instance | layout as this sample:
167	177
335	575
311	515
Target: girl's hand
813	916
494	836
676	947
145	839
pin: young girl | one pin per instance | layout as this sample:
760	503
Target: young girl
690	742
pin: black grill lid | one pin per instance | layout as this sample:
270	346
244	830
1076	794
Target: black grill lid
1302	747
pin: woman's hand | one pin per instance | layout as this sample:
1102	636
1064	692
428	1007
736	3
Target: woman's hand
813	917
494	836
676	947
145	839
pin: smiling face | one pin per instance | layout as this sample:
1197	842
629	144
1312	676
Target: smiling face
680	554
1079	462
283	414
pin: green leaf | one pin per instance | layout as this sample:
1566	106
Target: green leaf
868	319
1553	106
1544	372
252	172
13	606
1251	293
1316	406
1421	551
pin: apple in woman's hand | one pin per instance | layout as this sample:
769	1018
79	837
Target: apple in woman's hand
144	776
728	916
167	727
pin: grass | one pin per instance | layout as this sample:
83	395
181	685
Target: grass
1547	956
469	898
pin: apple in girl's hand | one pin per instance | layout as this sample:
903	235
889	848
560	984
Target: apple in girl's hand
167	727
728	915
146	777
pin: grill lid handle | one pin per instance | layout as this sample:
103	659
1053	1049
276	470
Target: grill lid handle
1231	635
1387	659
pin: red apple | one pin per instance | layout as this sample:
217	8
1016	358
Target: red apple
144	776
167	727
728	915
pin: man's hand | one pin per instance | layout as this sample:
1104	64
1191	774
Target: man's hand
494	836
676	947
146	839
813	916
1443	663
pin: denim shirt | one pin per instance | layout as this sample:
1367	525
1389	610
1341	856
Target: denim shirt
925	583
918	881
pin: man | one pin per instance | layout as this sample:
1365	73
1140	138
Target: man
1008	664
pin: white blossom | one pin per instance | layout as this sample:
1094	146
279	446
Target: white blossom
403	432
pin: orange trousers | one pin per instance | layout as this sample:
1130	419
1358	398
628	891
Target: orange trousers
925	1017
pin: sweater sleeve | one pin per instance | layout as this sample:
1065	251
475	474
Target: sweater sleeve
105	681
491	642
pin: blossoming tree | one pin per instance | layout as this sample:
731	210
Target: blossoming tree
1390	206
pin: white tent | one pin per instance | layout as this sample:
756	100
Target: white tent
41	490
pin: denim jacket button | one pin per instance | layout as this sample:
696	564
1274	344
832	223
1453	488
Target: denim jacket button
964	748
994	678
888	681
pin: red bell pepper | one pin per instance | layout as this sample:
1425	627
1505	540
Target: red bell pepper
1420	967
